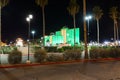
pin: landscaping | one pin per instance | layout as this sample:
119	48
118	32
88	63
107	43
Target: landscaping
54	54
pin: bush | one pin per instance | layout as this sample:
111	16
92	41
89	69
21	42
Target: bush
7	49
36	49
114	52
40	55
51	49
67	48
15	57
60	50
94	53
54	58
71	47
72	54
118	52
104	53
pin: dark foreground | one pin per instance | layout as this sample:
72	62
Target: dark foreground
71	71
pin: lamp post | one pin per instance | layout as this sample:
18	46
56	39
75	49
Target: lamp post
28	19
88	18
33	33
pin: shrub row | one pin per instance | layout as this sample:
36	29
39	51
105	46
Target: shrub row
41	56
72	54
96	53
56	49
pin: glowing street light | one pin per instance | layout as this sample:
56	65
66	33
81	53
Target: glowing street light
33	33
88	18
28	19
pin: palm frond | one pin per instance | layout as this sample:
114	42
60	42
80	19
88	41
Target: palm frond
41	3
97	12
3	3
114	13
73	7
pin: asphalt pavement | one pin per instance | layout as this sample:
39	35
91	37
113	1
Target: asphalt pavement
69	71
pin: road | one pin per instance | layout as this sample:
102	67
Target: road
71	71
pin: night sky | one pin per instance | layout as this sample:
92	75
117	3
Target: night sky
14	15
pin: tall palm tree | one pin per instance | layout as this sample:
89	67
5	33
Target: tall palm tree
85	29
2	4
42	4
73	9
114	15
97	14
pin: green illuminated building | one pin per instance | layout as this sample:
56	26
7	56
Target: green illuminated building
65	35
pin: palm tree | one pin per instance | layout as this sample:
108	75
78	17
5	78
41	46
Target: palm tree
85	29
2	4
73	9
97	14
114	15
42	4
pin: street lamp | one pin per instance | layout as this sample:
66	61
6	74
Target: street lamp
88	18
33	33
28	19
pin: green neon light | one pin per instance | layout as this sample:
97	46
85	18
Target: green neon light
57	38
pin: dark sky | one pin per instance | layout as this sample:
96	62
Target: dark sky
14	15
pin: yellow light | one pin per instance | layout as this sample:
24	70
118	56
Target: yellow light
19	42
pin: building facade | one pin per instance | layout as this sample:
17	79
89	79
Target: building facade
64	36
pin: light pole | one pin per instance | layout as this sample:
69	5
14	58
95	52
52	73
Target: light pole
28	19
33	33
88	18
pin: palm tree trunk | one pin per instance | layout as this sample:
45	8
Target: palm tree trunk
74	30
85	30
114	31
0	30
117	34
43	13
0	24
98	31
